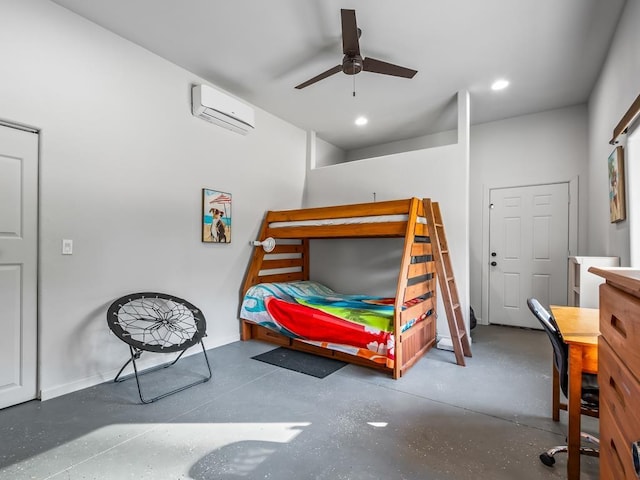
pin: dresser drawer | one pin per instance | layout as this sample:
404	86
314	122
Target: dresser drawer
616	460
619	392
620	325
262	333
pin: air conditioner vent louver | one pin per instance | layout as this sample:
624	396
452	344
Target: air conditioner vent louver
221	109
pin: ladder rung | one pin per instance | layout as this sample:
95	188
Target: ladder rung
447	283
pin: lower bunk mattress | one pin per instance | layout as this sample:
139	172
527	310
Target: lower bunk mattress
308	311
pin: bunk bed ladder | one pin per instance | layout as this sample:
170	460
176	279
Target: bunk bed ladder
447	281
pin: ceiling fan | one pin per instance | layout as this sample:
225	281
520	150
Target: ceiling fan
352	62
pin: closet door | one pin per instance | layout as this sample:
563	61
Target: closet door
18	265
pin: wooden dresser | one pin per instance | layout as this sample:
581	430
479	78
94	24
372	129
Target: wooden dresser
619	372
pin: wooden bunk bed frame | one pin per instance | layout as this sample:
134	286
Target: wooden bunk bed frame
416	279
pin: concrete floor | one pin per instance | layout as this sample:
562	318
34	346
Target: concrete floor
489	420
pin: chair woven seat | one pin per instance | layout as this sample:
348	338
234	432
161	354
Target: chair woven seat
159	323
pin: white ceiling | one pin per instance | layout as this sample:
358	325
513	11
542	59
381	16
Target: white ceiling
550	50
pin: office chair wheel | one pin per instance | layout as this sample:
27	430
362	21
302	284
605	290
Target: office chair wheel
547	459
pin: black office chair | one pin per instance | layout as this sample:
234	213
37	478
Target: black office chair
590	390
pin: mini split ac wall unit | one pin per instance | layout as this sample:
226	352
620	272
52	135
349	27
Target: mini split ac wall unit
217	107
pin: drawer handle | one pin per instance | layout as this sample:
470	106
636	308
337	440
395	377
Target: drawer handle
614	387
615	450
617	325
636	457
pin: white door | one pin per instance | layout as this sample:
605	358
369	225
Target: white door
18	265
529	244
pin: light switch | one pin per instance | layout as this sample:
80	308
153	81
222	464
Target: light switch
67	247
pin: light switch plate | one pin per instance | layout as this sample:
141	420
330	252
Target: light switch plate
67	247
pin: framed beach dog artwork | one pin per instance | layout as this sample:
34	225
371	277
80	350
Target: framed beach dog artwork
616	186
216	216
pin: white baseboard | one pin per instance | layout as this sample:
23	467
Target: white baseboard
74	386
58	390
445	343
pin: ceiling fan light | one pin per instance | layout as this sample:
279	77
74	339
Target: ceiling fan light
500	84
361	121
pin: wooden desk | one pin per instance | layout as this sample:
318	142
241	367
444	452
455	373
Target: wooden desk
580	330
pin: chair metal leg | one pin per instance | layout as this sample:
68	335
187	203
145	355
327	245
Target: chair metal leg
136	353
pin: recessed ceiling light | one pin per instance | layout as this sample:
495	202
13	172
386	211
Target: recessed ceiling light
360	121
500	84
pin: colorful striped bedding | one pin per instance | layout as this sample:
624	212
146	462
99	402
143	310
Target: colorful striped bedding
360	325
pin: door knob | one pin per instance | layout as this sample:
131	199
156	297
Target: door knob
493	254
493	264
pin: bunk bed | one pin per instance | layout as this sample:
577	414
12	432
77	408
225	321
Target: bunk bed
279	300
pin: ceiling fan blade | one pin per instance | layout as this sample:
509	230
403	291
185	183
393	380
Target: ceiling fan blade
350	44
328	73
378	66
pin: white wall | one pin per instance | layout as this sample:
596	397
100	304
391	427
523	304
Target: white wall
122	165
546	147
327	153
632	172
617	87
372	266
448	137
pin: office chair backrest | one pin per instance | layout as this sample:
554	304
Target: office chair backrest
560	349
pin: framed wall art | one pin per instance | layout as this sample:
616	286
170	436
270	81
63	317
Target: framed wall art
216	216
617	208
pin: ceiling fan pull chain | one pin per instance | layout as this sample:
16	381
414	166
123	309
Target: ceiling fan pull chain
354	85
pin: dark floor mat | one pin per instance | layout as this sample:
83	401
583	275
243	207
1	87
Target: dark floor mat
302	362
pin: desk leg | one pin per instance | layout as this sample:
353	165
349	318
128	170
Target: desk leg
573	407
555	400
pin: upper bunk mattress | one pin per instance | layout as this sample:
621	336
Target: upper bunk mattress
345	221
